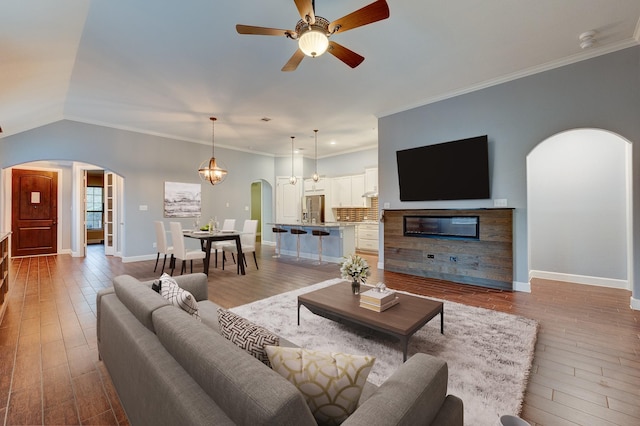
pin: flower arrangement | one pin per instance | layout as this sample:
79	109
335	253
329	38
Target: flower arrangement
355	268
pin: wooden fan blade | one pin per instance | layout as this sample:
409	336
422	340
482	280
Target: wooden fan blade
294	61
305	8
248	29
376	11
347	56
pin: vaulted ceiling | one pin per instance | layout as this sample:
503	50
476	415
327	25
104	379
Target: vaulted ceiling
163	67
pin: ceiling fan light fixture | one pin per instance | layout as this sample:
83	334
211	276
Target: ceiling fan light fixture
313	42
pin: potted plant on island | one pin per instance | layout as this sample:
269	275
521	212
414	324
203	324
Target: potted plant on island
355	268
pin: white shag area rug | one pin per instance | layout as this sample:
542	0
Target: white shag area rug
489	353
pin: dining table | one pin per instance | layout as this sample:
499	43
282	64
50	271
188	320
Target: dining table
207	238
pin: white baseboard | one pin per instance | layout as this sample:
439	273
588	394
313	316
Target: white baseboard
130	259
635	304
523	287
580	279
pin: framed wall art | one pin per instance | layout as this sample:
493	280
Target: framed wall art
182	199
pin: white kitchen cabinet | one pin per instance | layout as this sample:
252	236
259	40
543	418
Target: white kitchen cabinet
367	237
357	190
341	191
315	188
346	191
371	180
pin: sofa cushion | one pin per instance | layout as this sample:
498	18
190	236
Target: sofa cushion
138	298
246	335
249	392
178	296
330	382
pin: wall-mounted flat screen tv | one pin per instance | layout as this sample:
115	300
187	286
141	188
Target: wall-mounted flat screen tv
457	170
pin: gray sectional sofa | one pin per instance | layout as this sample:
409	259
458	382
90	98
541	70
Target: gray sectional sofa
170	369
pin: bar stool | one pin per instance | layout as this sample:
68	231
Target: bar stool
297	233
276	230
319	233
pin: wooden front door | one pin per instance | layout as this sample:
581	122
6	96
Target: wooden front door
34	220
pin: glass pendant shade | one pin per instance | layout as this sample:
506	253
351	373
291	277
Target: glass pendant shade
210	170
292	179
316	176
313	43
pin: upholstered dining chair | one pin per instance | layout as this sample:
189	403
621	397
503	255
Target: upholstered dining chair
162	245
247	240
227	225
180	250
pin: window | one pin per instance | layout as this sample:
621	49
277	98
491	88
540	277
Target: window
94	207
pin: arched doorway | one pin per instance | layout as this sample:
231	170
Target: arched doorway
262	209
579	208
71	208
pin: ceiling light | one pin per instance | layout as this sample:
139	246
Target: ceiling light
316	176
209	170
313	42
292	179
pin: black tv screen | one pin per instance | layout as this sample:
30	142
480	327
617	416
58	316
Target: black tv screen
457	170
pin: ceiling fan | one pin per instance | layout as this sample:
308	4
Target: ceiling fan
312	32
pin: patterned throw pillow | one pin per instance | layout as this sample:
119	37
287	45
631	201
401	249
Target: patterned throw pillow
246	335
330	382
170	290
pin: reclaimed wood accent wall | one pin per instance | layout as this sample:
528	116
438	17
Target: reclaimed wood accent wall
487	261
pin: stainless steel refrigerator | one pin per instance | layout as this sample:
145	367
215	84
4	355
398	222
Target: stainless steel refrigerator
314	209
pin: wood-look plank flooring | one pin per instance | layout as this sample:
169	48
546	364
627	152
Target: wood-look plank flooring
586	369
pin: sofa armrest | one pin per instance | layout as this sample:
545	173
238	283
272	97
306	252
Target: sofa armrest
451	412
195	284
412	395
101	293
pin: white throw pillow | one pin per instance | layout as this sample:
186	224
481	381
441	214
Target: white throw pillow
178	296
331	382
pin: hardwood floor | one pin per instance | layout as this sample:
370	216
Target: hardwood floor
586	369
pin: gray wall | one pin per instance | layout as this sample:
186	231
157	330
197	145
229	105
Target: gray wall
602	92
145	162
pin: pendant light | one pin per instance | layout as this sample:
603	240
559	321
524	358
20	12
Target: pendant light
292	179
210	171
316	176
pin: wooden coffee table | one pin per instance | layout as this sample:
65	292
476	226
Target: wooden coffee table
401	321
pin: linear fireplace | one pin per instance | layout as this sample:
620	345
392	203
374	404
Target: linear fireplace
455	227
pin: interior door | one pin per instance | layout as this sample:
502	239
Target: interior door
34	212
288	201
110	213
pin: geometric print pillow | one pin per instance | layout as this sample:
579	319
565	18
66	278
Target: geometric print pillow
178	296
246	335
331	382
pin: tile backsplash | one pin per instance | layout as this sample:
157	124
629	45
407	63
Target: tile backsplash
359	214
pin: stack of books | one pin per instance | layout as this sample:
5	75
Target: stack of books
378	300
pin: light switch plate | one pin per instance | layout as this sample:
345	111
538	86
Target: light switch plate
500	202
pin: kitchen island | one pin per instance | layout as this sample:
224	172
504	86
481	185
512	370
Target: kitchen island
340	242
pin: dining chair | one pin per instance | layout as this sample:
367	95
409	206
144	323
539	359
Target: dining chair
227	225
247	241
163	246
180	250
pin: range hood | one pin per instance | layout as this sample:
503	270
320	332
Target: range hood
370	194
